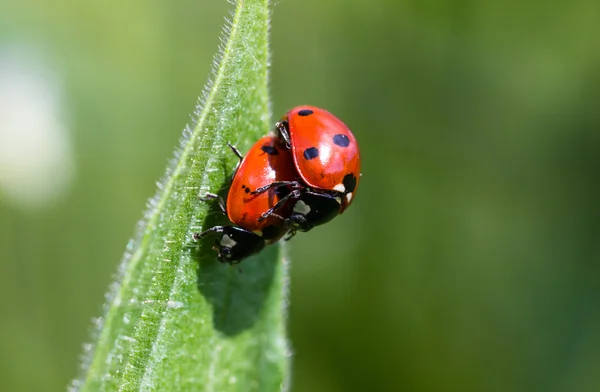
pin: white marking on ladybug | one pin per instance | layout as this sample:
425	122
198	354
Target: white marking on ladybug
257	232
349	197
227	241
325	151
302	208
340	188
338	199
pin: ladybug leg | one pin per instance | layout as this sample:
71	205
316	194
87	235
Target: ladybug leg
276	184
282	129
214	229
271	211
240	158
236	151
290	235
211	196
272	214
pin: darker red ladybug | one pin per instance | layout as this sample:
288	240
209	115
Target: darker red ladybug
325	151
267	162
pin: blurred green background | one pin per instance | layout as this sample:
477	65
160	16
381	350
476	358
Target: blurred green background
470	259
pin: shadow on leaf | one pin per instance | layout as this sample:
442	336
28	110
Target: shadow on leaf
238	292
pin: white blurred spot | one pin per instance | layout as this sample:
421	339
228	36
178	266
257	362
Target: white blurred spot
227	241
349	197
301	208
339	188
175	304
36	157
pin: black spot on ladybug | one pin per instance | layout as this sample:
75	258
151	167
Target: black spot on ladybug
270	232
245	188
311	152
269	149
341	140
305	112
349	182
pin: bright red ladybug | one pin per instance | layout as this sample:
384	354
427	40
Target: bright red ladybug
325	151
267	162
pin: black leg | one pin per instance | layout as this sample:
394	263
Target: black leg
275	215
212	196
282	129
236	151
279	204
214	229
290	235
276	184
333	194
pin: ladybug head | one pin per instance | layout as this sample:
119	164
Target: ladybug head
234	243
313	209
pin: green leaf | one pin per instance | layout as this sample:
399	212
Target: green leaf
175	318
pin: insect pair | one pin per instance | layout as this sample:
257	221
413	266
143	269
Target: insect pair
299	178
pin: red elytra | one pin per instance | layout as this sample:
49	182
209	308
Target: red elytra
255	221
324	150
266	162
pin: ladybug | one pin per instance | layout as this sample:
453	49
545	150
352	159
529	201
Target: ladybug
324	150
327	159
267	162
